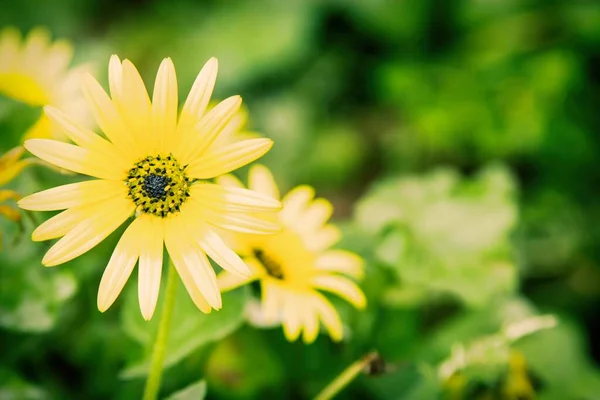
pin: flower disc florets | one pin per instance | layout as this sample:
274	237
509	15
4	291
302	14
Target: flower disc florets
158	185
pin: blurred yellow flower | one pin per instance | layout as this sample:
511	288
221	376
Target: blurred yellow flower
294	264
11	165
35	71
153	166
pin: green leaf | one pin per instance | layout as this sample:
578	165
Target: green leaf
196	391
190	328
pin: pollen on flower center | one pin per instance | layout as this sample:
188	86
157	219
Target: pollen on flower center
158	185
272	267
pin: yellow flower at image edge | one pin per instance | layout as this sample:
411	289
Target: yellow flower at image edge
295	263
11	165
35	71
154	167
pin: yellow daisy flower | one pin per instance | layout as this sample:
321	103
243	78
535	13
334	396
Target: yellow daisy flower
154	166
35	71
11	165
295	263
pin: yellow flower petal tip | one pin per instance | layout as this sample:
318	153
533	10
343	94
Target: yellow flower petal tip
297	263
36	71
149	165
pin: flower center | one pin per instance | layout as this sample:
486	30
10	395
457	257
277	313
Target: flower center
158	185
272	267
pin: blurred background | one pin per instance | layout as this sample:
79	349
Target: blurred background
459	142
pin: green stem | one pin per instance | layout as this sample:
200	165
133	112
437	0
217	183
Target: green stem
346	376
160	344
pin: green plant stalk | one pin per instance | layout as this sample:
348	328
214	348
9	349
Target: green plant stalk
160	344
346	376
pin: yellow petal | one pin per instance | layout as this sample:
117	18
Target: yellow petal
88	233
228	158
295	202
291	317
209	127
84	137
108	119
42	129
10	42
310	320
196	102
10	213
341	261
10	166
115	76
272	300
74	194
9	195
229	180
261	180
151	260
228	281
322	239
216	249
239	222
232	199
342	287
120	265
315	216
135	108
329	316
75	158
164	106
192	265
62	223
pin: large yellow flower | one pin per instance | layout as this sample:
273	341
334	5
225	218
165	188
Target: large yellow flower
35	72
11	164
154	167
295	263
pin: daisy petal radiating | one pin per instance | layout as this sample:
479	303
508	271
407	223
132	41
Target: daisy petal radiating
292	323
329	316
229	281
343	287
72	195
88	233
62	223
271	299
120	265
211	126
311	321
75	158
341	261
229	180
216	249
107	117
238	222
231	199
197	100
295	202
261	180
151	260
315	215
324	238
191	263
164	106
228	158
88	139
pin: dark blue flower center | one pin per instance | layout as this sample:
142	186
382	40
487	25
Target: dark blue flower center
154	186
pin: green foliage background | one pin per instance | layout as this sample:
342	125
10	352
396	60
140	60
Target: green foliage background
459	143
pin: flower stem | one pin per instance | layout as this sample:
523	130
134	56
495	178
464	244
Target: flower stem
347	376
160	344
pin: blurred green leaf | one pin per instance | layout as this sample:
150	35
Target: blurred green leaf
190	328
196	391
